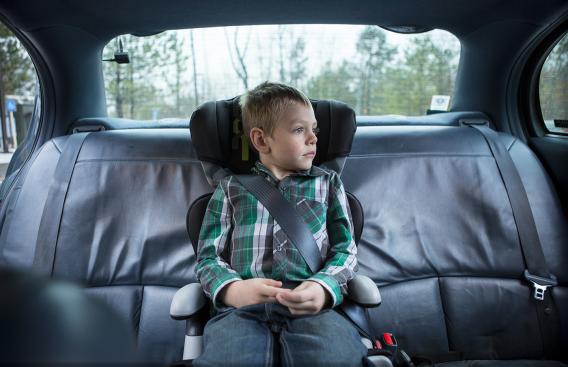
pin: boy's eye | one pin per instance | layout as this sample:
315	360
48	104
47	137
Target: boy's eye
300	130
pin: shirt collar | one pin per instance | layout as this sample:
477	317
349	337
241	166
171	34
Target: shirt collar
315	171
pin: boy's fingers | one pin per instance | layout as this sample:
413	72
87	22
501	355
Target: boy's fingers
302	286
283	299
270	291
286	303
298	296
272	282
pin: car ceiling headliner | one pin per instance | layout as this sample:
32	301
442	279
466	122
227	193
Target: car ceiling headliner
108	18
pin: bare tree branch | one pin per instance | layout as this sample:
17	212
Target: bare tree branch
240	67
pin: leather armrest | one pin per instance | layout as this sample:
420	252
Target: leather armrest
362	290
187	301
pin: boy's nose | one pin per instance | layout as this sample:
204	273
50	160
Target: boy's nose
312	138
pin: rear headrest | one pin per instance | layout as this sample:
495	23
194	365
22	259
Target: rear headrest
217	133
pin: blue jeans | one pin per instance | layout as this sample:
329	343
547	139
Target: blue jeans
248	337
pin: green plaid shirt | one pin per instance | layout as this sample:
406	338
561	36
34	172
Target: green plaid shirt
239	239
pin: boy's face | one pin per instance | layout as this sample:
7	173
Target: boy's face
292	146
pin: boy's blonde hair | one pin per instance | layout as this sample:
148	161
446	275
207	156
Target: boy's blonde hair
263	105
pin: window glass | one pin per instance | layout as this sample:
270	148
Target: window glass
18	87
375	71
553	88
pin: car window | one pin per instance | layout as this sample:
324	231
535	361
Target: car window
553	88
18	89
374	70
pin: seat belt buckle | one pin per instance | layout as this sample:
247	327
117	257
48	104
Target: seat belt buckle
389	339
540	284
390	345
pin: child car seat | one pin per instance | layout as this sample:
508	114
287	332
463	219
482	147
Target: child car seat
222	147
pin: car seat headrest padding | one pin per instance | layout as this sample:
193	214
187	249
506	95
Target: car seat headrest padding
216	133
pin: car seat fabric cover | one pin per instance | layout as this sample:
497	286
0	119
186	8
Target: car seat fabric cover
441	241
439	237
214	135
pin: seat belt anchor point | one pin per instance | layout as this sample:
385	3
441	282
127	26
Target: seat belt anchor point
540	284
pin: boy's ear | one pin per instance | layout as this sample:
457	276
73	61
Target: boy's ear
258	139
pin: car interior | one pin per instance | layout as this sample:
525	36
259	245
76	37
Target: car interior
464	227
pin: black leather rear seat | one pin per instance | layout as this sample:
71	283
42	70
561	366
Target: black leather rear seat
123	233
439	237
441	242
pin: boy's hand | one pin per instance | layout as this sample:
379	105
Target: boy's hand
251	292
306	299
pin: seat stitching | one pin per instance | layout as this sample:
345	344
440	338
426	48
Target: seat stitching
145	160
138	320
444	313
419	155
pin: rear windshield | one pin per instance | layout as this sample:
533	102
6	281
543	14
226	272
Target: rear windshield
375	71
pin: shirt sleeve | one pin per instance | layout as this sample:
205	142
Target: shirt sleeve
212	270
341	262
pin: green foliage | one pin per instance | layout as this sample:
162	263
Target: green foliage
387	81
17	74
427	70
375	57
297	71
554	83
334	83
132	91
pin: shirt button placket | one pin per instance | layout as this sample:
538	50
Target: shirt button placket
284	188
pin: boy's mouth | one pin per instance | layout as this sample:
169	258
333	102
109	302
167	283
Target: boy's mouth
310	154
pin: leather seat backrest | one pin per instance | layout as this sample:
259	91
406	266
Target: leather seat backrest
441	241
122	233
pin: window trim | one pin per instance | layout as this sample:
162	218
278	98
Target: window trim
529	88
46	113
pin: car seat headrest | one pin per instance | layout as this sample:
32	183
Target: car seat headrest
218	139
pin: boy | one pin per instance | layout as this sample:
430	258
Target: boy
261	287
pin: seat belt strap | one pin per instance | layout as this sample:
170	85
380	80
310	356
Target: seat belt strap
359	316
287	217
536	272
522	214
48	233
